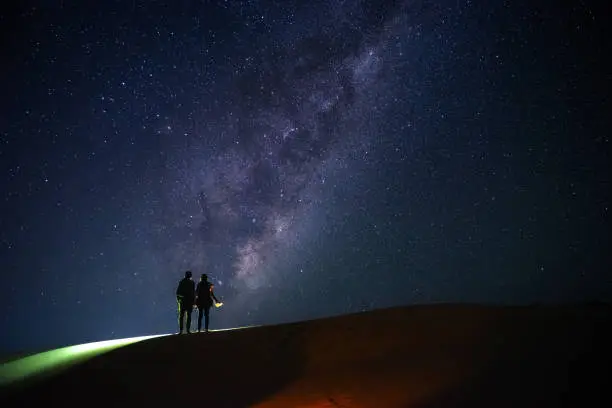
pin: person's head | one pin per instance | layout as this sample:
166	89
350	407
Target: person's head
188	274
204	277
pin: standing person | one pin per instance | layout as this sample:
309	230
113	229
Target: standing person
204	300
185	297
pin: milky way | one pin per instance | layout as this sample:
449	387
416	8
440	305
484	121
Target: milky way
299	113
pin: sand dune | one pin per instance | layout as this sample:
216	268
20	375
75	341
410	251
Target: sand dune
420	356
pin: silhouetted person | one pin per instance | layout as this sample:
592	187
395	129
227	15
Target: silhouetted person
185	297
204	300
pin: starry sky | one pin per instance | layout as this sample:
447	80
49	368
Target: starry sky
314	158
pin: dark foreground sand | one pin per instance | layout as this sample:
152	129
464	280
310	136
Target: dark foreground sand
423	356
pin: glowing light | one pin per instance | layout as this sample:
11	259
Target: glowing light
60	358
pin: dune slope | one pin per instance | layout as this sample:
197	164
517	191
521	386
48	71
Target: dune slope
419	356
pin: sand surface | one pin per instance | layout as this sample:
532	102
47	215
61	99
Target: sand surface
420	356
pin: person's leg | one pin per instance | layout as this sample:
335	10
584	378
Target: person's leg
200	315
189	309
206	317
181	309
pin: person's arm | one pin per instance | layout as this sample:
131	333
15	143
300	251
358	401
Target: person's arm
178	291
212	293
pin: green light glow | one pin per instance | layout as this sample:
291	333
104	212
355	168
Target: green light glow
66	356
59	358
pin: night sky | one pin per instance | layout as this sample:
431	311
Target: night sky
314	158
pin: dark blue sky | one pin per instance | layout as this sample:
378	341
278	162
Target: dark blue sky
314	158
